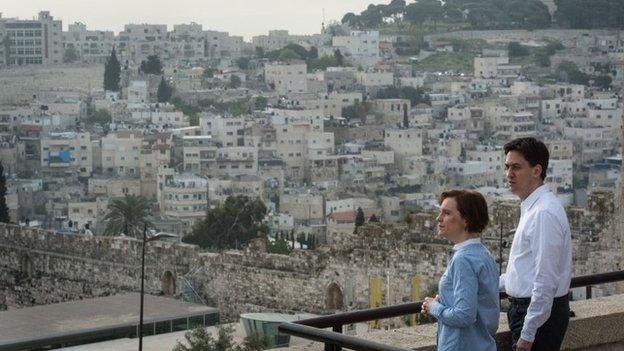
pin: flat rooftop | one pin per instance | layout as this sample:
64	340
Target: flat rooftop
102	318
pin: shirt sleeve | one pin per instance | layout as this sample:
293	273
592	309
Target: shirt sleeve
548	247
463	311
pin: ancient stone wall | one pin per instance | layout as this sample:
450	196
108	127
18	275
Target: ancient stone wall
311	281
40	267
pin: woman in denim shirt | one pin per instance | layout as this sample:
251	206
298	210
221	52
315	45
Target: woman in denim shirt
468	306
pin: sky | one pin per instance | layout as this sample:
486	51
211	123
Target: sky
238	17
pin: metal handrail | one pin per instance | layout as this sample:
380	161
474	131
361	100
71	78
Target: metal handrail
311	328
326	336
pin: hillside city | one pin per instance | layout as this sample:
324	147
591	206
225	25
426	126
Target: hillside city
285	142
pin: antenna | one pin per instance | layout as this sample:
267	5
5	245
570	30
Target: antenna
323	23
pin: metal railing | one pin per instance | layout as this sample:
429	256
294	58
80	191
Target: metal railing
313	328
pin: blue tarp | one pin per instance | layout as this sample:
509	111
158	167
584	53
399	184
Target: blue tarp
65	156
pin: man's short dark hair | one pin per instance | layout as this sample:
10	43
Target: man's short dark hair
533	150
472	207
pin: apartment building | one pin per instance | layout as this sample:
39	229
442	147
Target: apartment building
306	208
93	46
560	174
275	40
186	43
37	41
114	187
225	131
516	125
12	153
87	213
404	142
374	79
286	78
66	154
137	41
237	160
361	47
199	154
222	45
121	153
591	143
492	156
184	197
291	147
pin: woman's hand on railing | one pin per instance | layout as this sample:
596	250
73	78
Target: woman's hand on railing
427	302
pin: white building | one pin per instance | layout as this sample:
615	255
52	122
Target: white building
184	197
286	78
89	45
361	47
36	41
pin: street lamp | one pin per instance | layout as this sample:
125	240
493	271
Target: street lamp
147	239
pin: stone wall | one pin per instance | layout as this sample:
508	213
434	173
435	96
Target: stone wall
40	267
324	280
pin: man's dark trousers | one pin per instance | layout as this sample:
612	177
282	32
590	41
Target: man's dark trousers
550	335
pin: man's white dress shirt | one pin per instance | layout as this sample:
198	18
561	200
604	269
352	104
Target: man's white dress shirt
540	260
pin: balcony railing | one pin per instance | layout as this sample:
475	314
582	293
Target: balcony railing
313	328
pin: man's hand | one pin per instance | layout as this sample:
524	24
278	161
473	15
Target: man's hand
523	345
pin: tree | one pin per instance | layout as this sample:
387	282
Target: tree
152	65
568	71
279	246
112	70
209	72
230	225
243	62
603	81
70	54
101	116
198	339
164	91
260	102
235	81
516	50
338	57
359	218
288	54
358	110
4	209
405	117
128	215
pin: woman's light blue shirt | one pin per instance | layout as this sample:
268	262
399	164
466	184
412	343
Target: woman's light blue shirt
469	306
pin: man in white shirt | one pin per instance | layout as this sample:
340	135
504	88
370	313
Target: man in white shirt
539	270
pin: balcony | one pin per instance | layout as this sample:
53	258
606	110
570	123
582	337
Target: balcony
596	325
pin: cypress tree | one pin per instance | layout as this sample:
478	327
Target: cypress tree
112	69
405	117
164	91
4	209
359	218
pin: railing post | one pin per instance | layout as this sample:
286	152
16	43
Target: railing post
332	347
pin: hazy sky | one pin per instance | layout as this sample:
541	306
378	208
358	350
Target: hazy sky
239	17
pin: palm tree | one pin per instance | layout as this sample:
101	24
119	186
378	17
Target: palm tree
128	215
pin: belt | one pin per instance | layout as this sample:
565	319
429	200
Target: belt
525	301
